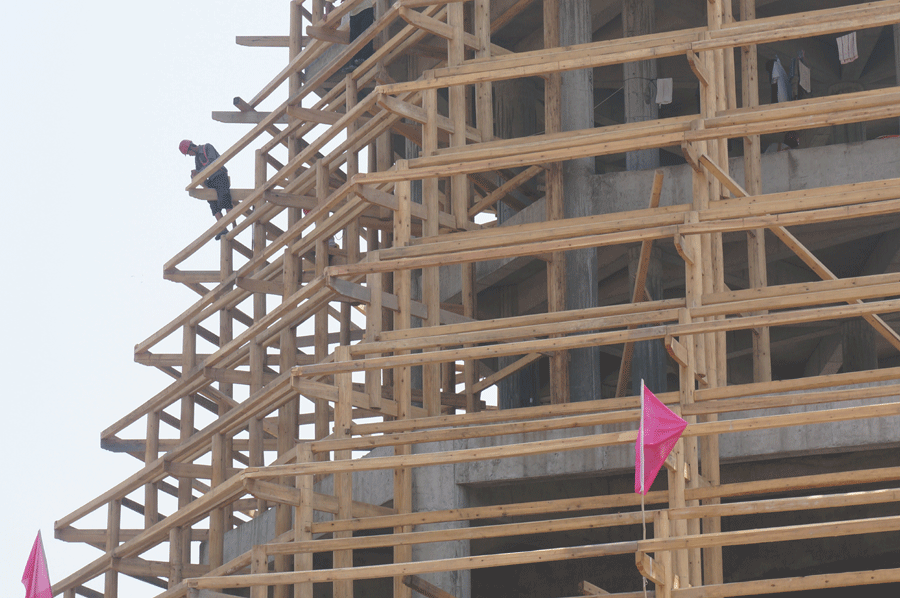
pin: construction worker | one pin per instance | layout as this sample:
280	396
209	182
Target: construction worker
204	155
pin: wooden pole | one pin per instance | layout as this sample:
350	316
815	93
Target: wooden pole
403	389
343	488
113	524
556	264
756	240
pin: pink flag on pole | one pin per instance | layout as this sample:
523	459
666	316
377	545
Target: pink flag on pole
36	578
659	431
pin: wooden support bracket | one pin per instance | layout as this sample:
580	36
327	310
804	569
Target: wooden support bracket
671	466
723	177
683	249
438	28
327	34
698	67
690	155
676	351
650	568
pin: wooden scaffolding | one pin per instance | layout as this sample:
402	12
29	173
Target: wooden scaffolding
362	343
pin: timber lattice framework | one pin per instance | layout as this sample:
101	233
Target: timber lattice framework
397	360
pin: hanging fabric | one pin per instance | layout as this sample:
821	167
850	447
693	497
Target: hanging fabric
664	91
781	79
847	48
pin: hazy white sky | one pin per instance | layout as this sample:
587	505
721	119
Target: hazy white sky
96	96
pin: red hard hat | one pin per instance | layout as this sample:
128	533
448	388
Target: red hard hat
184	146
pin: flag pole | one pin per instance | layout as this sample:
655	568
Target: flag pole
641	444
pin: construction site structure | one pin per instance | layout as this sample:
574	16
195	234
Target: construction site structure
475	227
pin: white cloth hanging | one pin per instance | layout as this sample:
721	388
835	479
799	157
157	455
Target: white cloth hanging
664	91
847	48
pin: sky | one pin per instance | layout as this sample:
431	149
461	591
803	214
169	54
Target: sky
97	94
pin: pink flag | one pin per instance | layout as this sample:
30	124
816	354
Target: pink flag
36	578
659	431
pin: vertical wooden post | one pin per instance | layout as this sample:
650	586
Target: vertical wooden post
556	264
431	284
402	382
113	525
151	453
217	516
714	281
318	10
351	232
221	445
459	184
383	158
756	239
288	413
484	112
686	385
343	482
661	530
180	538
259	563
303	519
676	500
257	352
374	327
176	552
320	333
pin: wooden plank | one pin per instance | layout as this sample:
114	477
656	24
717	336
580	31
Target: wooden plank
793	584
531	509
834	529
415	568
605	338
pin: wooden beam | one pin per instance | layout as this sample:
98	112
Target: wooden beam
251	118
266	41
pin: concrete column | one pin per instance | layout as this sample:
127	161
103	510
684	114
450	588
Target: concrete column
515	116
581	266
435	488
639	18
858	345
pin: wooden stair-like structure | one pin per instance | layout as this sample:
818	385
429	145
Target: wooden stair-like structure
304	332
